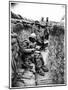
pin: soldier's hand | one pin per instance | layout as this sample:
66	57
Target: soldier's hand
37	52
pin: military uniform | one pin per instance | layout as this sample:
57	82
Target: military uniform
38	60
24	49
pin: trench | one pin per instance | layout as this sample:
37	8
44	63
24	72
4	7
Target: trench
35	80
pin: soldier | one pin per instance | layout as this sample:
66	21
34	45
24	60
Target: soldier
38	60
46	32
24	49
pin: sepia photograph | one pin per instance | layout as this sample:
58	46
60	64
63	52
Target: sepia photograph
37	42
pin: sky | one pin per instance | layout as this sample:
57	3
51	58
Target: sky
36	11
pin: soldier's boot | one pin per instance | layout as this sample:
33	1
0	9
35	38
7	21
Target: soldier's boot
45	69
41	72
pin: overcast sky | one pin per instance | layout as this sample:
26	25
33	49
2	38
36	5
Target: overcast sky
36	11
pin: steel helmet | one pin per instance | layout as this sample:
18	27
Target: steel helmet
32	37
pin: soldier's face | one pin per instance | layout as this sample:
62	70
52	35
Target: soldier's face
32	40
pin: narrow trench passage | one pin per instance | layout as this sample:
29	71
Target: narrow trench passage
32	80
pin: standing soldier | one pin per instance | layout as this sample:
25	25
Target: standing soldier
38	60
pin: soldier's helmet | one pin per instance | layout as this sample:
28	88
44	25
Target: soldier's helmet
32	37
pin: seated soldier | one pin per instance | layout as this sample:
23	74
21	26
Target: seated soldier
24	50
